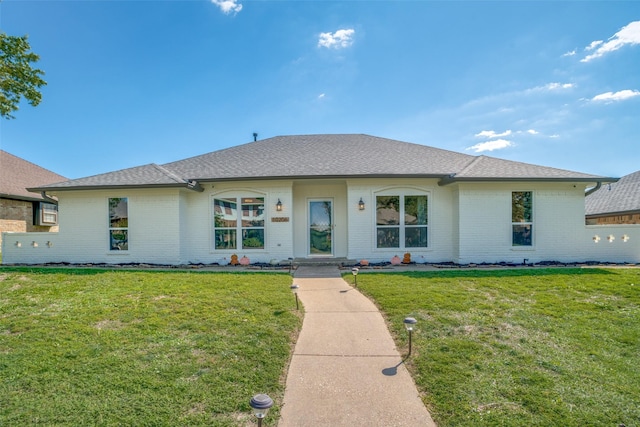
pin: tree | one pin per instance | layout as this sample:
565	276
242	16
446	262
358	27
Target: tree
18	78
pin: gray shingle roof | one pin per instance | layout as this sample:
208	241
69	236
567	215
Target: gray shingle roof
311	156
142	176
17	174
617	197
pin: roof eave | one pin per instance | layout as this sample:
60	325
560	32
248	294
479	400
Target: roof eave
300	177
191	185
21	198
616	213
452	180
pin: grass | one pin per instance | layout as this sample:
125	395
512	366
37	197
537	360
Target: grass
90	347
520	347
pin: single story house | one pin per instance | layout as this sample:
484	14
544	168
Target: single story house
20	209
615	203
337	197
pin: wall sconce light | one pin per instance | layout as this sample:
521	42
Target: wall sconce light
19	244
49	243
625	238
361	204
34	244
596	238
611	238
279	206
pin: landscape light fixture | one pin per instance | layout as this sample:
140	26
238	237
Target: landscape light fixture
260	403
279	206
361	204
355	271
294	289
410	323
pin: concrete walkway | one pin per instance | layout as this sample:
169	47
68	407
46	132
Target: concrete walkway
345	370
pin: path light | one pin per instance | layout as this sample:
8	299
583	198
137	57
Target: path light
410	323
355	271
294	289
260	404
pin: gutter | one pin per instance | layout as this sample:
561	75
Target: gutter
594	189
48	198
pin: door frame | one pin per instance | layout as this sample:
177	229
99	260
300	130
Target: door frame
332	228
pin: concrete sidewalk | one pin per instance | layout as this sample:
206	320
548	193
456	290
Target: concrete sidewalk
345	369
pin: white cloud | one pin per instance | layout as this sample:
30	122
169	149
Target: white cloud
570	53
339	39
497	144
228	6
556	86
616	96
490	134
593	45
532	132
321	96
628	35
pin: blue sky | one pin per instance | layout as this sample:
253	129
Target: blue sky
136	82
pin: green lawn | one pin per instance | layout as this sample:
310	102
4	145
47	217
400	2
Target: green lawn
89	347
539	347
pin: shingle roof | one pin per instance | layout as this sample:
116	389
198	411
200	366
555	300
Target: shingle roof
16	175
321	155
147	175
312	156
617	197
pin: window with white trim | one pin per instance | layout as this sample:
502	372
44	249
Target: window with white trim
522	218
118	224
238	223
402	221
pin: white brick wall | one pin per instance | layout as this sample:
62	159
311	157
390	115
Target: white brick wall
170	226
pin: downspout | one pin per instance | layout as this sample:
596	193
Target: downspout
48	198
594	189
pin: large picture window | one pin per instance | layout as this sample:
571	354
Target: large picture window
402	221
522	218
238	223
118	224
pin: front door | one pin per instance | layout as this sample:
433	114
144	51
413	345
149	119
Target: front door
321	227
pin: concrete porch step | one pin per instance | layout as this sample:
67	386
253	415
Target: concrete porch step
310	262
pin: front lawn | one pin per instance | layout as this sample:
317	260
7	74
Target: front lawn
90	347
543	347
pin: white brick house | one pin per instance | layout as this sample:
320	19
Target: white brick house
331	196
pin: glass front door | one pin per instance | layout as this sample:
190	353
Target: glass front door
320	228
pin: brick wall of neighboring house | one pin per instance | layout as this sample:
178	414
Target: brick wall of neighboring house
17	216
615	219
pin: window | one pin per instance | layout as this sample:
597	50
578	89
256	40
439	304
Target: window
241	228
522	218
46	214
402	221
118	224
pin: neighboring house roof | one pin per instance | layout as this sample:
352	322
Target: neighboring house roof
616	198
327	156
16	175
